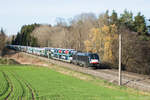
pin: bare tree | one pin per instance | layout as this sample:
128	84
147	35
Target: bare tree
43	34
81	26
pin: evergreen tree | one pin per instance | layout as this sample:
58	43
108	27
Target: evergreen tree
24	37
140	24
126	19
2	40
13	40
18	39
34	42
2	32
114	18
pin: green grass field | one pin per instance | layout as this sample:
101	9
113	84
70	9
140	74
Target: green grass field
20	82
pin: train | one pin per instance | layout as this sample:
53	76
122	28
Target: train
67	55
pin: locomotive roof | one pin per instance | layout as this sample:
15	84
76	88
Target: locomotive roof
84	54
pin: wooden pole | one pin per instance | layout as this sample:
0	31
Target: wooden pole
48	57
48	54
120	78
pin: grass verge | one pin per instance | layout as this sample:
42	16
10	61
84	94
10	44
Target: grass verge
47	84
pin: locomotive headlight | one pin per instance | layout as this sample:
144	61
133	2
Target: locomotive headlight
94	61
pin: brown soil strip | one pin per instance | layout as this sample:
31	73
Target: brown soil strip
27	85
31	90
10	85
20	85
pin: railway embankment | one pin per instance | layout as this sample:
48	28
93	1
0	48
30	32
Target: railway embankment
133	80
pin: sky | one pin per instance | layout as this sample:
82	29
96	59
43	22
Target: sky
16	13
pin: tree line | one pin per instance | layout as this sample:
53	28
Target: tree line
24	37
2	41
88	33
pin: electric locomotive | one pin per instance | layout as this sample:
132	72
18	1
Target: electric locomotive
86	59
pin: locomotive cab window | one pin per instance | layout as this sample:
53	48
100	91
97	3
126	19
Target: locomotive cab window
94	56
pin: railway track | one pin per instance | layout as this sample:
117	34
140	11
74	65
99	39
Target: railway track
129	79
